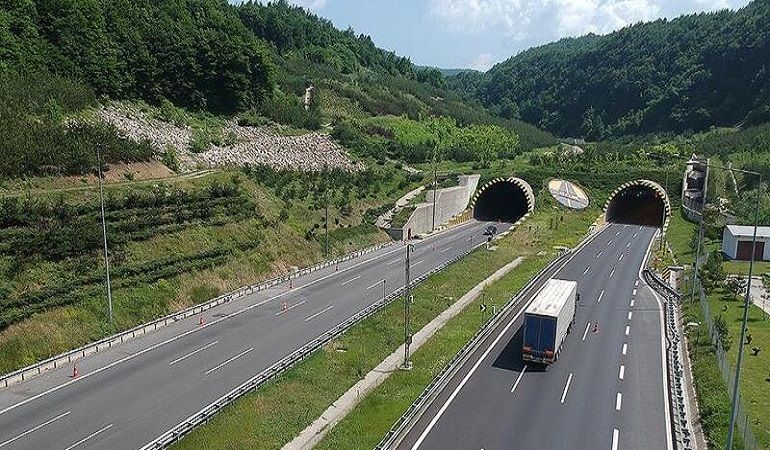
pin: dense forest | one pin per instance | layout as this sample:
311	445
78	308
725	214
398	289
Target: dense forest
252	61
686	74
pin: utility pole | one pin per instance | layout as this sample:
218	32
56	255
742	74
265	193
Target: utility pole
664	214
326	213
407	318
435	188
700	237
104	231
746	301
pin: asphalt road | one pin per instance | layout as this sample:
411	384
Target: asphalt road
127	396
607	390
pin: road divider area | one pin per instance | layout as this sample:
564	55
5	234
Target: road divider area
208	412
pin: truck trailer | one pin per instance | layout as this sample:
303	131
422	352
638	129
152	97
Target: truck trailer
548	319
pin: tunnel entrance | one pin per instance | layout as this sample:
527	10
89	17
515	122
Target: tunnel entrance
504	200
638	203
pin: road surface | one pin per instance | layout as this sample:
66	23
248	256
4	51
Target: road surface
607	390
127	396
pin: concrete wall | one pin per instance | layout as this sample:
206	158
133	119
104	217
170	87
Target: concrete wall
450	202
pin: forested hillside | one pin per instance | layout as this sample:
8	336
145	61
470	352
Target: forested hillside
252	62
678	75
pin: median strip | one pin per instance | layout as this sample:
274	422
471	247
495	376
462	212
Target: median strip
343	405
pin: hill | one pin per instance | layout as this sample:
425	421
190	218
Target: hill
689	73
251	63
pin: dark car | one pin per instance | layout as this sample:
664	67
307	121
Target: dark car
490	231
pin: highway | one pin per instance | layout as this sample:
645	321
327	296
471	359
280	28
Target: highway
127	396
607	390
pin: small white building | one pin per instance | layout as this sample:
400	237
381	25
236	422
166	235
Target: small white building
736	242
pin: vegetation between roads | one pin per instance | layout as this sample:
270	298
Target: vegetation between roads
278	411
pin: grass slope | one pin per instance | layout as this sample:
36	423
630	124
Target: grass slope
171	247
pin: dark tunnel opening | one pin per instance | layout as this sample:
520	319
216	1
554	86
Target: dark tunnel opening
503	201
637	205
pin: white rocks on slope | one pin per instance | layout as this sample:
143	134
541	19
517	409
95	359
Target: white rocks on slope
252	146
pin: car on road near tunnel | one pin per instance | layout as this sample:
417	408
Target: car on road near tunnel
491	230
548	320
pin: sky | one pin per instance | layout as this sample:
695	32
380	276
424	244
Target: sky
476	34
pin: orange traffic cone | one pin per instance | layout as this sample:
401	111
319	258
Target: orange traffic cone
285	306
596	327
200	321
75	372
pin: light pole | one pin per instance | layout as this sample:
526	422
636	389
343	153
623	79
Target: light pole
737	381
407	318
700	239
104	231
435	188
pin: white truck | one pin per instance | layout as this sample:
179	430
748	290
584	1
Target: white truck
548	319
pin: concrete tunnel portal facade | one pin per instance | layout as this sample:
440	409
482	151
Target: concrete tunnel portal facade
639	202
504	200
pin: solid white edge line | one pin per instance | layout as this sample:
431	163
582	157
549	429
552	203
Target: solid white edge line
618	401
212	323
615	438
89	437
284	311
309	318
350	280
585	333
566	388
35	428
486	353
622	372
193	353
226	362
518	380
669	437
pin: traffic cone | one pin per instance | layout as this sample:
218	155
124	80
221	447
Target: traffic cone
75	372
291	283
285	306
596	327
200	321
337	267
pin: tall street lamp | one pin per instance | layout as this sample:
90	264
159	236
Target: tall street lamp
746	301
407	312
104	230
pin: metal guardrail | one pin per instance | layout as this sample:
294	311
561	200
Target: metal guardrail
130	334
682	435
402	426
205	414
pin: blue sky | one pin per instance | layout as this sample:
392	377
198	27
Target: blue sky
478	33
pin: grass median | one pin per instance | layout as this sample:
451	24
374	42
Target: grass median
277	412
713	399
